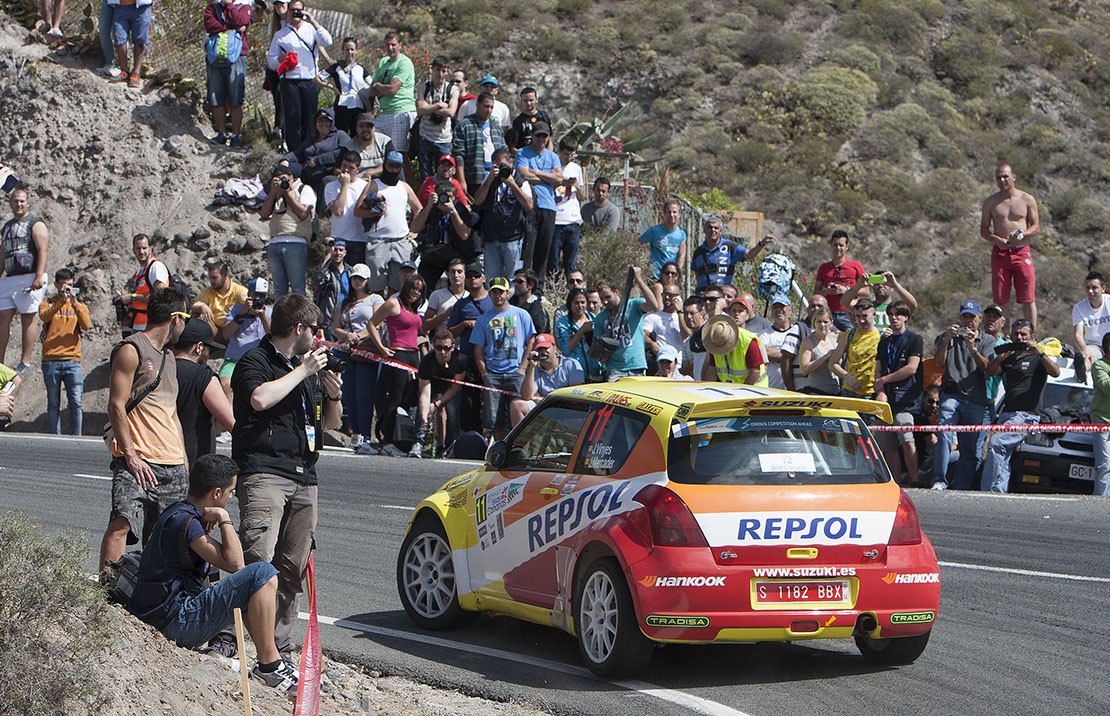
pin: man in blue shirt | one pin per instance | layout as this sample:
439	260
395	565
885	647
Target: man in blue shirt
540	167
629	358
666	241
714	262
502	336
545	372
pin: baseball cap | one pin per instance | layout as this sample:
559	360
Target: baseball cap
476	269
863	303
341	243
667	353
395	157
258	285
324	112
541	127
500	282
489	80
360	270
367	117
971	307
197	331
781	298
996	308
447	158
408	265
741	301
544	340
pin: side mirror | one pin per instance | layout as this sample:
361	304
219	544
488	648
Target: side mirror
497	454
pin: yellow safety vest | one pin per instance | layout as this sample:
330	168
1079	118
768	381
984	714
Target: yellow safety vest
732	367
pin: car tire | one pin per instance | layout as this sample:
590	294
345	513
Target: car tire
609	637
892	652
426	576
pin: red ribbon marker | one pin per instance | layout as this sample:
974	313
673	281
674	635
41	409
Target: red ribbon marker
308	684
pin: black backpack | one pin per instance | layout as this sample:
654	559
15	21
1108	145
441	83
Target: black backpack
179	284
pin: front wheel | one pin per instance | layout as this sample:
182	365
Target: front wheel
892	652
426	576
609	637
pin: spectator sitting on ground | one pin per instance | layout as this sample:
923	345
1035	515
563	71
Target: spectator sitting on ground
130	21
524	287
170	595
501	339
488	85
666	241
716	259
1091	319
372	147
303	37
881	295
476	137
227	78
1100	413
332	281
394	84
835	277
288	208
246	324
342	199
667	361
151	276
438	399
199	394
544	371
436	106
444	172
222	293
63	318
602	213
520	133
504	200
317	158
898	378
24	242
348	79
443	299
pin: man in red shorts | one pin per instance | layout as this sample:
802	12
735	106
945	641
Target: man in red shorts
1010	220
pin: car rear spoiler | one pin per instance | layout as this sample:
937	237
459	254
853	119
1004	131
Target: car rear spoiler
807	403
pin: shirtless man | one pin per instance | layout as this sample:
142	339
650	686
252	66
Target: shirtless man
1010	220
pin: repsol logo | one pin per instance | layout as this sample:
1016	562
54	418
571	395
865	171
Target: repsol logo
674	620
912	617
756	529
560	518
683	581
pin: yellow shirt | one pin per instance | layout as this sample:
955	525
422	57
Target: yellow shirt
861	359
219	303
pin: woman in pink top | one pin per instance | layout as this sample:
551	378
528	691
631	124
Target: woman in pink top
396	386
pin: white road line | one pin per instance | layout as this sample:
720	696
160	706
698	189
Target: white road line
54	438
1026	572
689	701
91	477
1010	496
396	507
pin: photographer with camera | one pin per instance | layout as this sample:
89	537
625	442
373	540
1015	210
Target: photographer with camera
505	201
246	324
63	319
544	371
445	171
1025	369
442	233
964	352
289	208
435	108
286	393
331	282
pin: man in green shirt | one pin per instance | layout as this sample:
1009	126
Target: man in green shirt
394	85
1100	413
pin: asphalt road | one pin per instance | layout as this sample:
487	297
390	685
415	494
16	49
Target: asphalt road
1023	629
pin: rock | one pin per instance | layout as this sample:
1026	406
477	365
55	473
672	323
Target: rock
218	226
254	244
228	213
174	145
200	245
180	238
160	236
201	232
234	245
245	229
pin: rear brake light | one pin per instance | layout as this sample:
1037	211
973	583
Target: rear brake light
907	528
672	523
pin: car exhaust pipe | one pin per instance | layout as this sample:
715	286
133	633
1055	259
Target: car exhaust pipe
865	624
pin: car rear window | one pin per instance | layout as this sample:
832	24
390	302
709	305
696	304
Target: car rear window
774	451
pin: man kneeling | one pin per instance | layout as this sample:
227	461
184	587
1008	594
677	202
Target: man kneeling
169	592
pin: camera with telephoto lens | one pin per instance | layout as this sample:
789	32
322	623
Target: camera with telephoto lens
443	198
335	363
504	171
257	304
284	183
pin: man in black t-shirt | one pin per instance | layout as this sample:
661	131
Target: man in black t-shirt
437	396
898	382
199	394
1025	369
520	134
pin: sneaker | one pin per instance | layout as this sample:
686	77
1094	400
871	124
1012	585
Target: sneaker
222	644
220	138
55	32
120	78
110	71
394	451
367	449
938	486
134	82
22	368
417	450
223	438
283	678
356	442
236	141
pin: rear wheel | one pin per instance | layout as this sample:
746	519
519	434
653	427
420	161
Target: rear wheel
892	652
609	638
426	576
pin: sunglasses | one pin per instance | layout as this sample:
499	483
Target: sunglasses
447	347
312	327
670	295
519	280
931	402
671	271
180	314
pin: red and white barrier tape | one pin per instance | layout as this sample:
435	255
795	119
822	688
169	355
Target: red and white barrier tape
1035	428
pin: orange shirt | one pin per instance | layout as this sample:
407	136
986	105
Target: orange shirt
63	324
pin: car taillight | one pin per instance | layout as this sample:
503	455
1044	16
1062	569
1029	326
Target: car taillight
672	523
907	528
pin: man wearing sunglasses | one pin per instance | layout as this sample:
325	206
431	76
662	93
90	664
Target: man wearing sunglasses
438	397
149	470
284	396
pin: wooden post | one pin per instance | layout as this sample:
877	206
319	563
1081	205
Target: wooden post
244	677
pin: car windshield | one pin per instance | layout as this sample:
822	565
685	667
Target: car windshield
1066	395
774	451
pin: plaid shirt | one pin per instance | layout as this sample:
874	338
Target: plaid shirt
468	148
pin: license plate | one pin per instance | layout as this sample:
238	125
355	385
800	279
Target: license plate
1081	472
773	594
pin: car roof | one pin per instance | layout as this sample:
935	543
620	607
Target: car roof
669	399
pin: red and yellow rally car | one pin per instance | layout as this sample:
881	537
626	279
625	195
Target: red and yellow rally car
651	511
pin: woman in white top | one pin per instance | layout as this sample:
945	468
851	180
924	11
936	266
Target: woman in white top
360	380
813	356
348	78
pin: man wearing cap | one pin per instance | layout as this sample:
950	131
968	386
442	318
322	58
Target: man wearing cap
317	158
898	381
963	351
342	197
520	133
737	356
464	313
445	171
477	136
292	55
372	147
501	338
667	361
853	359
288	208
394	85
835	277
774	339
222	293
332	279
716	259
1009	220
436	107
246	324
1025	369
544	371
1091	319
500	110
387	241
199	395
622	322
541	168
994	325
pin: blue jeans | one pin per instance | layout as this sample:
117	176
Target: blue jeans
1102	461
205	615
54	373
502	258
104	26
996	466
566	240
958	411
495	406
360	384
429	155
288	263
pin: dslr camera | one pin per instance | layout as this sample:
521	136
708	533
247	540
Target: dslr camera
335	363
297	14
285	183
257	303
504	171
123	311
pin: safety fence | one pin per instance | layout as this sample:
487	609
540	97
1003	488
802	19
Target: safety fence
1031	428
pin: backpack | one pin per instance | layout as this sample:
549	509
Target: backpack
119	578
224	48
179	284
776	274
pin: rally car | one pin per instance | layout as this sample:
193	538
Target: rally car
648	511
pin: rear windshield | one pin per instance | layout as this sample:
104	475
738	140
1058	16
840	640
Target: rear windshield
774	451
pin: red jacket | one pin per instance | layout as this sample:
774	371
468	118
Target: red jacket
234	16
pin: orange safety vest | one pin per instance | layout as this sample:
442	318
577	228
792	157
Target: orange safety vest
141	283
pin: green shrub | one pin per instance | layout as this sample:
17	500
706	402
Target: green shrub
881	140
857	57
663	108
968	60
894	187
725	40
886	22
735	20
609	254
572	9
837	96
1042	138
1087	216
711	200
765	44
415	23
948	195
53	623
778	9
751	155
1057	46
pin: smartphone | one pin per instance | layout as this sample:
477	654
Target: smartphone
876	278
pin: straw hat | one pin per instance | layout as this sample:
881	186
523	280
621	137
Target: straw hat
720	334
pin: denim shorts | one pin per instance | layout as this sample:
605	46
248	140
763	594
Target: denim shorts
133	21
227	84
205	615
